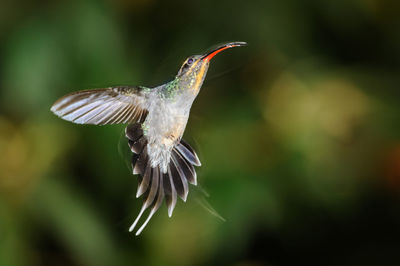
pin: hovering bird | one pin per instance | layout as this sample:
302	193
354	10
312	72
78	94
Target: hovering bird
156	119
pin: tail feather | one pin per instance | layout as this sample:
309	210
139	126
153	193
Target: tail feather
141	163
190	156
186	167
170	192
193	153
179	179
154	185
156	205
155	178
144	182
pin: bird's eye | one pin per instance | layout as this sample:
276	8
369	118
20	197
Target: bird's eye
186	65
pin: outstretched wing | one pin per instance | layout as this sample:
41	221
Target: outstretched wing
113	105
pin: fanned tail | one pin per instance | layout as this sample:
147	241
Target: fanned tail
154	185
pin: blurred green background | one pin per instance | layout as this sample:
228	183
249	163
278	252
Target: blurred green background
298	133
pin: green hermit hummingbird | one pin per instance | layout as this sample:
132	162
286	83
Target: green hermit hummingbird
156	119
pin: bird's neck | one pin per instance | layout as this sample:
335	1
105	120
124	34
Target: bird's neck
183	85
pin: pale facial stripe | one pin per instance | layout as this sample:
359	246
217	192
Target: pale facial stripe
200	76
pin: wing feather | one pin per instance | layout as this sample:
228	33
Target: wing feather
103	106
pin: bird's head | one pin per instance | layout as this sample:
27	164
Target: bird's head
194	69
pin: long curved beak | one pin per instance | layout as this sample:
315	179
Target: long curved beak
211	54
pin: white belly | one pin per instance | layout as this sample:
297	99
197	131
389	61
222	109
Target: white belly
164	127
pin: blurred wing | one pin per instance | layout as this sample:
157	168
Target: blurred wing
102	106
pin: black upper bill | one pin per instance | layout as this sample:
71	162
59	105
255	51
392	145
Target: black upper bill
223	47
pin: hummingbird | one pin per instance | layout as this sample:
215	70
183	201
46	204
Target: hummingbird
156	119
